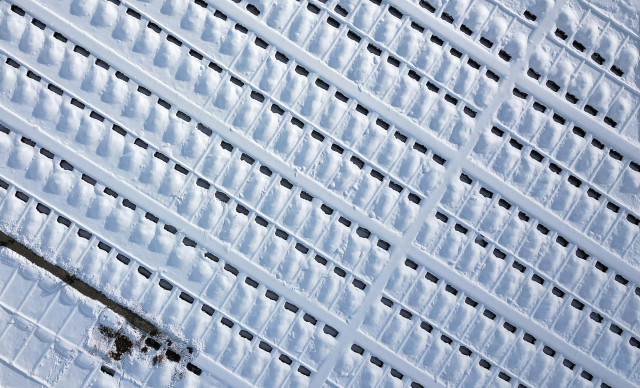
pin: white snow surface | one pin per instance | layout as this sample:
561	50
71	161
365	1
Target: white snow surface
339	193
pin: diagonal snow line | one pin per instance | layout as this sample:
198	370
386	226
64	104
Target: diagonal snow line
519	319
344	85
253	270
199	114
543	94
453	168
79	285
581	119
547	217
457	38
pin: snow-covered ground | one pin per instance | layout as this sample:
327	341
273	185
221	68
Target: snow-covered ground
343	193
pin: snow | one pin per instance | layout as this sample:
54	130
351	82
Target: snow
341	194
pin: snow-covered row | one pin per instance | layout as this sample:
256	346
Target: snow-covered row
353	370
560	269
388	35
54	336
606	46
253	310
433	324
551	134
522	159
500	27
587	86
339	137
289	211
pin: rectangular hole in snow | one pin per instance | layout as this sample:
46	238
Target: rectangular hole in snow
302	249
473	64
486	193
431	277
557	292
227	322
582	254
489	314
128	204
362	232
377	175
509	327
344	222
222	197
555	168
615	329
504	204
340	272
383	245
104	247
492	76
523	216
302	71
84	234
60	37
265	346
165	285
123	259
291	307
519	267
460	229
601	267
450	289
621	280
106	370
450	99
613	207
321	84
414	198
420	148
144	272
359	163
595	317
426	327
537	279
313	8
321	260
211	257
446	339
186	297
471	302
236	82
171	229
231	269
485	364
432	88
515	144
60	219
411	264
441	217
358	284
499	254
272	295
393	61
576	304
261	221
189	242
562	241
395	187
285	359
362	110
333	22
251	282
